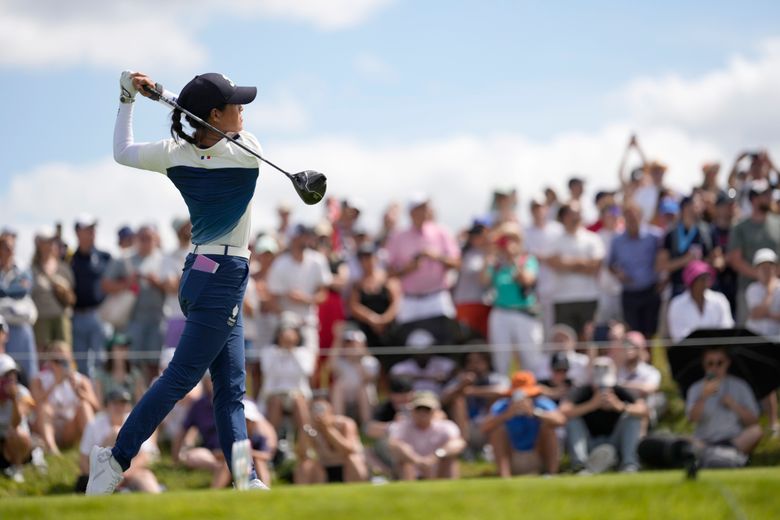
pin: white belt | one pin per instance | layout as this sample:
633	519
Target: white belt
214	249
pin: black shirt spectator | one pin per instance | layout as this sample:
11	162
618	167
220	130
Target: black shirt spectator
600	422
688	239
88	270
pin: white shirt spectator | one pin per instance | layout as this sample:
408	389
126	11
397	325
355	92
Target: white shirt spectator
307	276
539	243
98	430
62	398
754	296
684	316
7	409
351	375
287	371
576	287
424	442
646	197
172	266
429	378
643	373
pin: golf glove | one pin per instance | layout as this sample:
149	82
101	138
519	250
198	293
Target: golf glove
127	89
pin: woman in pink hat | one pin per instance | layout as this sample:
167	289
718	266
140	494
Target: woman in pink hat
699	307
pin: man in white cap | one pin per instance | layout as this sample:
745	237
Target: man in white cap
763	304
16	404
88	265
422	256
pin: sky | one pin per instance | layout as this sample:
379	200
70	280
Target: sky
387	97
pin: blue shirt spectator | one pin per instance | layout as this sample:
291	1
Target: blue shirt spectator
634	256
523	429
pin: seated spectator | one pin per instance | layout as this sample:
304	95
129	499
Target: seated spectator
287	366
329	449
52	291
428	372
470	395
558	385
102	431
514	329
355	372
723	407
424	445
16	404
374	300
699	307
604	422
564	339
65	400
263	439
118	373
521	429
200	424
641	379
395	408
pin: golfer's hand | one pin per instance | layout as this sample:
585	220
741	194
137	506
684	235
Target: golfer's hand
140	80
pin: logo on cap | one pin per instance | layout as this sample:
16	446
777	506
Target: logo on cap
230	81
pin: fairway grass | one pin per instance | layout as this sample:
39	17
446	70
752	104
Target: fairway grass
749	493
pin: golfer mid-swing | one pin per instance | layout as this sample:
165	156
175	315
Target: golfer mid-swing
217	180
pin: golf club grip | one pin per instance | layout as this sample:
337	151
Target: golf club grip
157	94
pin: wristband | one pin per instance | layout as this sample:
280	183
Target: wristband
126	99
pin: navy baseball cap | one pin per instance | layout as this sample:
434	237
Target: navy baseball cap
213	90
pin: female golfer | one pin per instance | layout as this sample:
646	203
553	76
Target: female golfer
217	180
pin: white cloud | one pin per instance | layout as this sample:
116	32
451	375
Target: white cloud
374	68
282	113
736	105
48	33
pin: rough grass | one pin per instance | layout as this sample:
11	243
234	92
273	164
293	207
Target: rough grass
748	493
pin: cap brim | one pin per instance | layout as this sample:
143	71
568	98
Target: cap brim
243	96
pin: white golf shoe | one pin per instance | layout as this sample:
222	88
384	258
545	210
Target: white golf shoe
602	458
257	484
105	474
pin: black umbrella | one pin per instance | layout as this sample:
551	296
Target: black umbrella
753	358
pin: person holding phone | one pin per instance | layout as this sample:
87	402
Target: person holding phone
16	404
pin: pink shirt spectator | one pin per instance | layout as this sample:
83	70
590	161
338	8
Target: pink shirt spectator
424	442
431	275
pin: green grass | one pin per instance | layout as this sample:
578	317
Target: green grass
747	493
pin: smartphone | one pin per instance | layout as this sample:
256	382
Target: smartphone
709	376
319	409
519	395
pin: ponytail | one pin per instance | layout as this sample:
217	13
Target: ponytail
177	129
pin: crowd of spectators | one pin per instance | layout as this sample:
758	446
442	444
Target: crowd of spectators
343	383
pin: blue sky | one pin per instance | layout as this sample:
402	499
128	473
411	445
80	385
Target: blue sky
402	75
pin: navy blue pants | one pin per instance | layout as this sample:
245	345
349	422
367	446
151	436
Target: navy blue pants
213	339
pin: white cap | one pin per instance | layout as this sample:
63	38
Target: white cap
251	412
763	256
604	372
266	244
45	233
418	339
355	335
85	220
7	364
417	199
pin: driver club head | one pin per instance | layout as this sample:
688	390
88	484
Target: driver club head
310	185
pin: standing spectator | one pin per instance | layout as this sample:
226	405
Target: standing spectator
513	325
699	307
503	206
470	294
603	200
118	373
604	422
651	186
552	203
355	372
143	272
421	257
52	291
630	184
16	404
689	239
389	223
375	300
330	449
65	400
720	229
723	406
521	428
576	257
763	303
539	239
17	308
425	445
632	260
171	274
760	230
469	396
287	366
88	265
298	281
284	229
102	431
576	187
609	306
265	314
125	240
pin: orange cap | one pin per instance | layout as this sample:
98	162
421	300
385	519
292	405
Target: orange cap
524	380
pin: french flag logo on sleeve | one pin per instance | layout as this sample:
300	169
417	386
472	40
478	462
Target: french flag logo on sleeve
205	157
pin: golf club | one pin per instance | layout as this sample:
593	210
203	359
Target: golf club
309	184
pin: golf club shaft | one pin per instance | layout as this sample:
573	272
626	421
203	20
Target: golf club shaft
173	104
